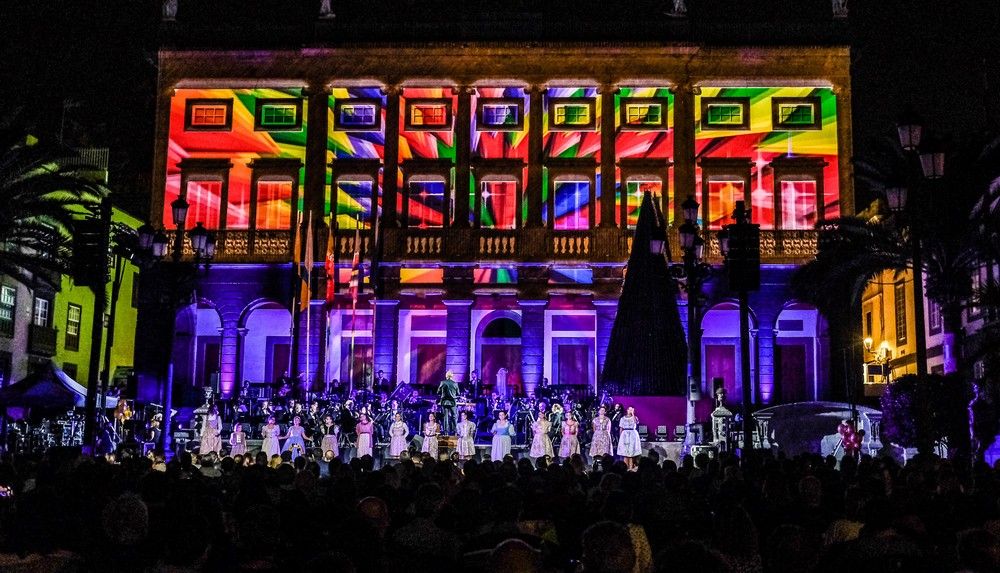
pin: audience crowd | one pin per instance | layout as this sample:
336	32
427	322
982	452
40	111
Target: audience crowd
66	512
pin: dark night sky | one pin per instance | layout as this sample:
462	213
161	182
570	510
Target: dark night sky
939	56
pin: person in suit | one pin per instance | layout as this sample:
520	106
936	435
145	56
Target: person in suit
447	392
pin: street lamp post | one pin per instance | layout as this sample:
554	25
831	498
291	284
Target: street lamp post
695	272
740	244
931	158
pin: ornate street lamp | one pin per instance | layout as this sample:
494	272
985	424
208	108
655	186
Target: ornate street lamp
199	236
179	211
146	235
910	129
895	197
159	245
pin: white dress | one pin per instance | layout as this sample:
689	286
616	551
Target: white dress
466	439
541	445
501	440
398	433
629	444
570	444
430	446
271	446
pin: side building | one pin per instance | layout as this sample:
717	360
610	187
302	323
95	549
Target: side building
505	179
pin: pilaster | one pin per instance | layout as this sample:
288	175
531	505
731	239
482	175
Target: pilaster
385	336
532	342
459	321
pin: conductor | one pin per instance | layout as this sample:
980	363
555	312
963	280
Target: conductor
447	396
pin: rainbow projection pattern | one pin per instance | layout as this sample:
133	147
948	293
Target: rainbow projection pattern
241	145
426	199
354	194
644	144
495	276
571	201
762	143
499	144
576	144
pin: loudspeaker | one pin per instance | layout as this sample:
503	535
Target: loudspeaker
694	385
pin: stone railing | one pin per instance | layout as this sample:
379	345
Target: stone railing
244	246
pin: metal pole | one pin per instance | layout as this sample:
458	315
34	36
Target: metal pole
745	373
918	303
99	288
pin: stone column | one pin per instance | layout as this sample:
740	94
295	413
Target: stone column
228	348
314	190
684	162
390	176
765	361
385	337
459	337
532	342
463	125
608	131
241	335
607	309
533	190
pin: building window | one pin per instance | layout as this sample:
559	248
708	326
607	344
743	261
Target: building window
900	308
979	280
643	113
135	290
357	114
284	114
722	197
8	304
634	190
274	204
74	313
428	114
425	205
568	114
796	113
70	369
40	312
208	115
354	203
798	204
6	365
498	207
935	323
500	114
868	324
730	113
571	205
204	196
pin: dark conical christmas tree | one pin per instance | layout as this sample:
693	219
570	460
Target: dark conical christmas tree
647	353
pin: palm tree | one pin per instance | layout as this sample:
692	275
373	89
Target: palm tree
856	250
44	191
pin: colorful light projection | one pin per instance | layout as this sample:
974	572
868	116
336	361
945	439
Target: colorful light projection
568	276
509	143
811	135
238	141
498	204
423	276
495	276
577	138
356	120
426	131
644	129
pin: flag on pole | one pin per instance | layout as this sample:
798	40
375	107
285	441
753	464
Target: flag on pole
331	265
355	284
304	274
297	256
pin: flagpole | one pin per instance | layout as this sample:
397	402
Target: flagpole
308	301
296	300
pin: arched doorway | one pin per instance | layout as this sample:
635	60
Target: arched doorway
267	343
797	329
498	347
720	350
196	353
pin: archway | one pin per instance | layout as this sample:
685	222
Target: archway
796	353
498	351
196	351
267	344
720	350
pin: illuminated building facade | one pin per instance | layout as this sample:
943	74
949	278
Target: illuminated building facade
507	177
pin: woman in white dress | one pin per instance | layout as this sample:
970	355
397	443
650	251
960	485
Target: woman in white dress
570	444
431	431
271	445
295	438
365	429
600	442
211	432
629	445
237	441
501	437
466	431
331	433
541	445
398	433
